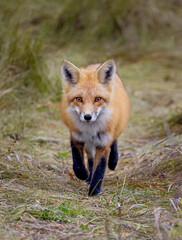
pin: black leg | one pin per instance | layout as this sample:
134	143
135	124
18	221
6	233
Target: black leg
113	157
97	178
78	161
90	167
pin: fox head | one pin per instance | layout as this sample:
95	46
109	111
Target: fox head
88	90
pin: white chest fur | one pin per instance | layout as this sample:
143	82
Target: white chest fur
92	134
92	139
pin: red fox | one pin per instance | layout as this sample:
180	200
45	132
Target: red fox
95	107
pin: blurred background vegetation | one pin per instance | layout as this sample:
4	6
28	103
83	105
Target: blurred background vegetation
37	185
36	35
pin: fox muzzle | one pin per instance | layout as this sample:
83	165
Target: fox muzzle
87	117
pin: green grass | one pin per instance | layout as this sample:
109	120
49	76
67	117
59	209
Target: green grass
65	212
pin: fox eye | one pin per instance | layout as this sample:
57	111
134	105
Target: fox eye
97	99
78	99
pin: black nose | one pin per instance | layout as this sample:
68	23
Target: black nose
88	117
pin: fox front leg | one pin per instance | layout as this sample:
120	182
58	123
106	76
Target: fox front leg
78	160
90	164
98	170
113	156
90	168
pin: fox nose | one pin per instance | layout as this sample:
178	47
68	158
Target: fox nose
87	117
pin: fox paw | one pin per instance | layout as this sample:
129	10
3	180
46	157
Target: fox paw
112	164
81	173
113	157
94	191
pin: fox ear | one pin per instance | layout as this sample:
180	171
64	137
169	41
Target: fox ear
106	72
70	73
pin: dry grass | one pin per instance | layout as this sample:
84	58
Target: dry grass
132	24
41	197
